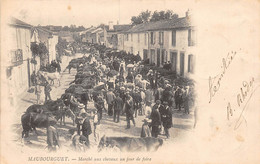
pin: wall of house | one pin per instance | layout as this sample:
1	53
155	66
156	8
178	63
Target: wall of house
180	48
135	46
20	38
52	47
140	44
120	45
128	44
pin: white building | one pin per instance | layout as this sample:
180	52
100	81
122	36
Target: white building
17	59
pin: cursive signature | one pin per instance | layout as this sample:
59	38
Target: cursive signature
215	82
241	117
245	93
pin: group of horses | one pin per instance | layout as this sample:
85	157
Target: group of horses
86	80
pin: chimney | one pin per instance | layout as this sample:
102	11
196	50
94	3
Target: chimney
188	13
117	22
110	25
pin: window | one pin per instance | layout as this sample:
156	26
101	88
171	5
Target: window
190	64
191	37
173	38
145	40
138	38
161	38
126	37
152	56
152	37
131	37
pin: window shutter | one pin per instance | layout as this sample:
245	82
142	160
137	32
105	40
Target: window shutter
174	38
154	38
162	37
189	37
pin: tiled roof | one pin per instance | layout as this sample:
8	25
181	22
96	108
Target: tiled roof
119	28
97	30
162	25
17	22
44	30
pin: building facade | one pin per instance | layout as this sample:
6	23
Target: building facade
113	35
50	40
18	57
164	41
174	41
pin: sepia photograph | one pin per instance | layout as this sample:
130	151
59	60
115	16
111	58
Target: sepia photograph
128	81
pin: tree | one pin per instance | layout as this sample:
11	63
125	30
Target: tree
80	28
145	15
155	17
62	44
43	51
136	20
66	28
162	15
39	50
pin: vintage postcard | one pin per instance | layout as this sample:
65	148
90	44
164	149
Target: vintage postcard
130	81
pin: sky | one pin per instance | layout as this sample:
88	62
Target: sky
89	12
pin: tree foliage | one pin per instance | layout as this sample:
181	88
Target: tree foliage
62	44
39	49
73	28
146	16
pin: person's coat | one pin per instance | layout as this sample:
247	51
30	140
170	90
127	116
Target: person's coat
166	116
52	136
118	104
155	116
129	107
86	127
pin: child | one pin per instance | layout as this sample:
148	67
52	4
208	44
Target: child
145	128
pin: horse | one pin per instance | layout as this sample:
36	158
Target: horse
130	144
32	120
72	65
52	76
55	108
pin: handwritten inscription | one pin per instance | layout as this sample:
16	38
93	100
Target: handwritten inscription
245	89
244	95
215	82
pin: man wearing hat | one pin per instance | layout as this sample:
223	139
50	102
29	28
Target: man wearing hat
52	134
156	119
186	100
136	100
129	110
178	98
118	106
123	96
166	117
86	127
110	98
167	95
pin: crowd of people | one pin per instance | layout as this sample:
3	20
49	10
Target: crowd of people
124	92
128	94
